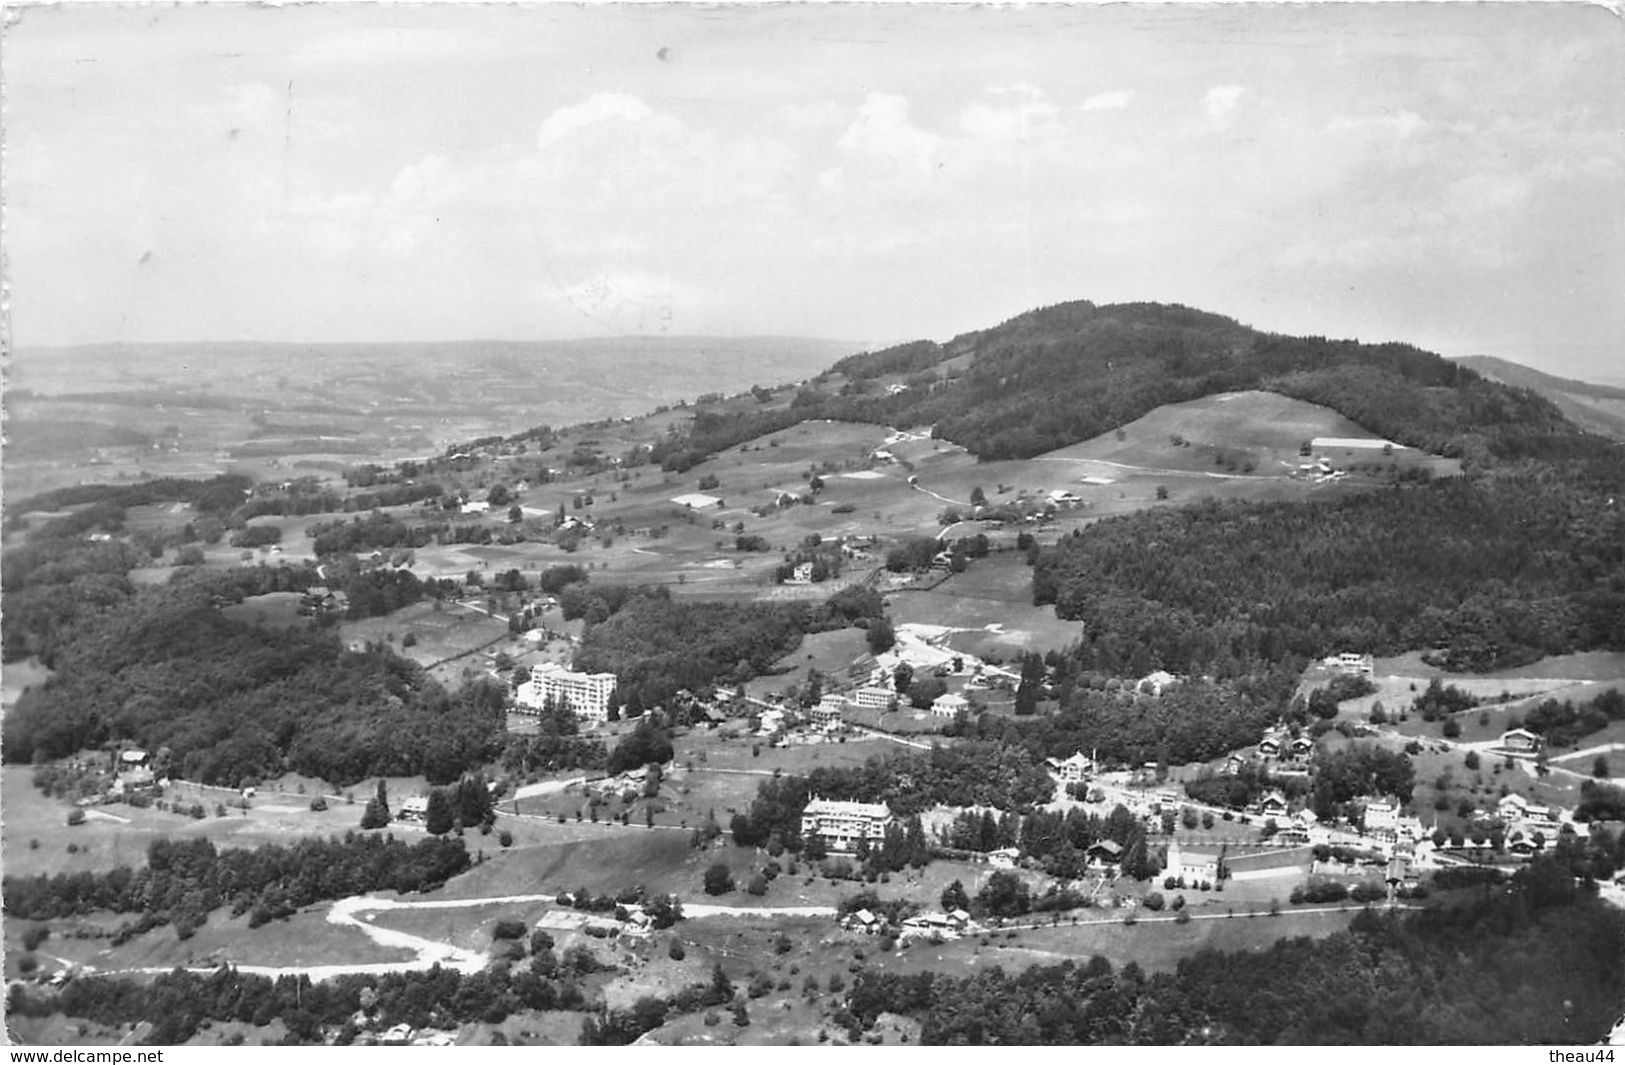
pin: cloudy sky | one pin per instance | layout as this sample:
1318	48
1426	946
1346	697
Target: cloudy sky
1447	174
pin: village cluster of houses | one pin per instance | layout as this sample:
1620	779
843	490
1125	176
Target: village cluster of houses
946	925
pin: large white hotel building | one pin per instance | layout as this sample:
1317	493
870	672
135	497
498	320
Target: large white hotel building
585	693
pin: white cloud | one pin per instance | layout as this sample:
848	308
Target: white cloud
1220	101
1115	100
882	130
598	108
1033	114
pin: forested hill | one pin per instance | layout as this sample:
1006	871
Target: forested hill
1061	374
1593	407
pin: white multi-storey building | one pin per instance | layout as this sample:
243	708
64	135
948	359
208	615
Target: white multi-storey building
842	824
587	694
1352	664
827	714
873	697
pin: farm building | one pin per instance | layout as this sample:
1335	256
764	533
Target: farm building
1520	741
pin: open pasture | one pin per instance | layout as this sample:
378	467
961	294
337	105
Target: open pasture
992	599
1589	665
441	630
119	834
273	610
1251	432
1156	946
602	859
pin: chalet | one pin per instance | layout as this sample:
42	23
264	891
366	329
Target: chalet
1301	748
771	721
1522	846
802	574
415	809
1512	808
841	824
1520	741
1003	858
1073	770
949	705
1272	804
1272	744
132	758
476	507
1106	851
862	921
827	714
959	920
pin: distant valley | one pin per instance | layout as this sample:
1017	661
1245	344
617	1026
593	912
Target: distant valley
116	411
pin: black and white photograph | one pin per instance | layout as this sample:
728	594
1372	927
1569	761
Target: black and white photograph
813	524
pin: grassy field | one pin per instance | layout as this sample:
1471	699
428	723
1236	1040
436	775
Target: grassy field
1154	946
602	859
993	599
274	610
18	677
120	834
441	631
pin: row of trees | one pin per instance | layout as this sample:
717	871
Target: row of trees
1194	721
185	880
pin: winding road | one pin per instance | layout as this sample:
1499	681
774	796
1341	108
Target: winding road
357	912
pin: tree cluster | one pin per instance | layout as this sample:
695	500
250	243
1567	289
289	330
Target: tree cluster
164	668
184	881
1535	962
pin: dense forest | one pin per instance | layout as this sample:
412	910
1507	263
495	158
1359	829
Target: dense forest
658	646
1061	374
184	881
1190	722
1495	573
1541	961
224	700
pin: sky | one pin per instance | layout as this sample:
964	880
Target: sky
1446	174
